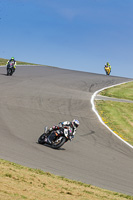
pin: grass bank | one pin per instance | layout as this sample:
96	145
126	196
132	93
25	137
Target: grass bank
118	116
124	91
4	61
18	183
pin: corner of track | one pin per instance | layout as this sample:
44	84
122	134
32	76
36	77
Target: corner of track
100	119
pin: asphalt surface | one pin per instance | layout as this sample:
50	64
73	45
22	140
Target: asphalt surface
37	96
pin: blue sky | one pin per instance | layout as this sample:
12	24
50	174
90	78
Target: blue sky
72	34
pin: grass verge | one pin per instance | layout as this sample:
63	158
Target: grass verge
124	91
3	62
18	183
118	117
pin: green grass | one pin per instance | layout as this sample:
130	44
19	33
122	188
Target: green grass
118	116
3	62
124	91
18	182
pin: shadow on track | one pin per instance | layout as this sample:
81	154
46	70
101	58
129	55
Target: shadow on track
3	74
49	146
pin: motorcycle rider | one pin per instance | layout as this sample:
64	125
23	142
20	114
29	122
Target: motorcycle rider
107	65
71	128
11	60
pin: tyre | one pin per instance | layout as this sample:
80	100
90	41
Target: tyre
107	72
41	139
9	72
58	143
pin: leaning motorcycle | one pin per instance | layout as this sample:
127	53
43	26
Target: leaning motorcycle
58	141
107	70
10	69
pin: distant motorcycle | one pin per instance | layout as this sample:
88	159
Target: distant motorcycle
107	70
10	68
58	141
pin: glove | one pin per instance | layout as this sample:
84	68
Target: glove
55	127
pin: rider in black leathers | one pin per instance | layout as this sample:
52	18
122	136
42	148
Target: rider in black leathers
70	127
11	60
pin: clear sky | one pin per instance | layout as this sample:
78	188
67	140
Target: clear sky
73	34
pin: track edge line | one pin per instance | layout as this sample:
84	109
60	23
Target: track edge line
100	119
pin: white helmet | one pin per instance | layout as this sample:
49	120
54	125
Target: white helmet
75	123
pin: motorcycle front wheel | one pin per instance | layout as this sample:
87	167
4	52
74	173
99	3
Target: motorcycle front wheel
41	139
9	72
107	72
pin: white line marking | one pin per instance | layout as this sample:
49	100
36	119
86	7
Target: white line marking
100	119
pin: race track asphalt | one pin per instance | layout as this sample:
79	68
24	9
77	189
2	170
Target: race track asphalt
36	96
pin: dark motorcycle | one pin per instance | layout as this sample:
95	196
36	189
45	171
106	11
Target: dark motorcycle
10	69
60	139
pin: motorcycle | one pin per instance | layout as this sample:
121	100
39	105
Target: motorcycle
10	69
61	138
107	70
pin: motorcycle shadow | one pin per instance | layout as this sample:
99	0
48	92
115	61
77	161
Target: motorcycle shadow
48	145
3	74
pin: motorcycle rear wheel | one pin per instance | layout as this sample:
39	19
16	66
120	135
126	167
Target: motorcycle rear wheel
58	144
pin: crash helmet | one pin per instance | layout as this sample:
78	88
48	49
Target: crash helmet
75	123
107	63
12	58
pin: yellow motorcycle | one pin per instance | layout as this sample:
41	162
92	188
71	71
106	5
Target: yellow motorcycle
107	70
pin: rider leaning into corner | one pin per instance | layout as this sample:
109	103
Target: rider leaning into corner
107	65
70	127
11	60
